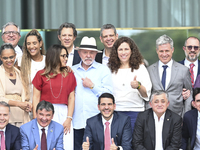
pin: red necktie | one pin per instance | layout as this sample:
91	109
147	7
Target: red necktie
43	140
3	147
107	137
192	73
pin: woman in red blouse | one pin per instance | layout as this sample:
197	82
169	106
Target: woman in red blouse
56	84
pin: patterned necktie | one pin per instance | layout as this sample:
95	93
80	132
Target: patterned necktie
192	73
107	137
164	75
43	140
3	147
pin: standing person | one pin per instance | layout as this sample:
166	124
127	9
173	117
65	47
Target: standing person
93	79
32	60
108	36
11	88
11	34
56	84
168	75
131	81
67	34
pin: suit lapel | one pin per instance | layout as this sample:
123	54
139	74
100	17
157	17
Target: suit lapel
174	71
156	75
100	131
8	137
151	126
166	127
35	132
194	128
50	135
198	72
114	128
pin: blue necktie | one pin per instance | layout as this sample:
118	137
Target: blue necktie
164	75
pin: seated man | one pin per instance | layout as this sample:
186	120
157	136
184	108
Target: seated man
98	136
42	132
157	128
10	135
191	122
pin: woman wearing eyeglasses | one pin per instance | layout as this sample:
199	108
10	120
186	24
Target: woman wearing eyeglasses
32	60
11	88
56	84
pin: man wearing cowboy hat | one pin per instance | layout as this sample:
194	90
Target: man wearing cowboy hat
92	79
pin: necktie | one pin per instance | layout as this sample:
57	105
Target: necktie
3	147
192	73
107	137
43	140
164	75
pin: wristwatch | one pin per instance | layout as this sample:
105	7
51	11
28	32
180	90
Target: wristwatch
118	148
92	86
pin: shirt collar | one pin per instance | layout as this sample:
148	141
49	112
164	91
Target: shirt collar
104	54
156	117
4	129
187	63
104	120
40	127
72	52
198	114
169	64
94	65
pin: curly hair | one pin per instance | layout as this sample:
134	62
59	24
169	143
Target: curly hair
26	61
135	58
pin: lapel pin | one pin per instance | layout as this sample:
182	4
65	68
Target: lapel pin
116	135
51	130
167	119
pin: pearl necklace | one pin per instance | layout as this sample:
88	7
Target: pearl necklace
60	88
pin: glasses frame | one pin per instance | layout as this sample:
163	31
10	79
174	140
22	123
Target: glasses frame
64	55
194	47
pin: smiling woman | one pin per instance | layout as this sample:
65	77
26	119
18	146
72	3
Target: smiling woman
11	88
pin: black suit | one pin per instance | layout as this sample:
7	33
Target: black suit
120	131
99	57
144	131
76	58
13	138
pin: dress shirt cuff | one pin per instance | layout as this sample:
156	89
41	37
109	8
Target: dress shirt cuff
120	148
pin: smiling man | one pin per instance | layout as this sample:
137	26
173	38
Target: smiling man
10	135
42	133
109	130
168	75
157	128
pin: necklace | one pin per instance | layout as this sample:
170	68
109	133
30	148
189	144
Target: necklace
10	73
60	88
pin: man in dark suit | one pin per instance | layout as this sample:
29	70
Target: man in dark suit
96	136
190	128
42	132
108	36
67	34
11	135
11	34
158	127
168	75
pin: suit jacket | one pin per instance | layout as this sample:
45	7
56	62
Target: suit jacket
99	57
30	136
76	58
189	128
13	138
120	130
180	78
144	131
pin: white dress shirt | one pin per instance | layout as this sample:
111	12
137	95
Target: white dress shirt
18	52
105	58
168	71
158	130
195	68
40	130
197	141
70	58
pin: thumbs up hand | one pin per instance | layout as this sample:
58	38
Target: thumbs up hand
113	146
86	145
134	83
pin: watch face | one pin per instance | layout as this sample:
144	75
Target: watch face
118	148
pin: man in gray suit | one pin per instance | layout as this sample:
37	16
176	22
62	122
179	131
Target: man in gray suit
168	75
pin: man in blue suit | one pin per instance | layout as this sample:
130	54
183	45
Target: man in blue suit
11	134
120	132
33	135
191	121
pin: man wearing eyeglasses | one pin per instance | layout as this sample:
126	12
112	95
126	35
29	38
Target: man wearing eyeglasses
11	34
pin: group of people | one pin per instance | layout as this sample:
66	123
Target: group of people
83	98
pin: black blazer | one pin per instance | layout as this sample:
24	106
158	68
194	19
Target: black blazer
144	131
76	58
13	138
99	56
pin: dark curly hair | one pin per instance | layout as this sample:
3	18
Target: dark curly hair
135	58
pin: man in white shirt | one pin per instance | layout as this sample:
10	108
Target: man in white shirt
67	34
108	130
157	128
108	36
11	34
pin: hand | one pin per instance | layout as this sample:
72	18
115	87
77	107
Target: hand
67	125
36	147
134	83
113	146
185	93
23	105
86	145
69	69
87	82
29	107
54	149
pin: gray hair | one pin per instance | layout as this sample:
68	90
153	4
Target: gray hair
164	39
6	46
8	24
67	25
3	103
107	26
156	93
193	37
45	105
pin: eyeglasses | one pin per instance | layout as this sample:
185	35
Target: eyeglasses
190	47
9	32
64	56
6	58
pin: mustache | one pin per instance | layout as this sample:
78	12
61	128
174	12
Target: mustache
192	52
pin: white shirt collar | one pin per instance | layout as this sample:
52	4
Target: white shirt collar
72	52
4	129
104	120
40	127
156	117
187	63
169	64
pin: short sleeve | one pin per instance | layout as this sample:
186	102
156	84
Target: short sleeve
37	81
